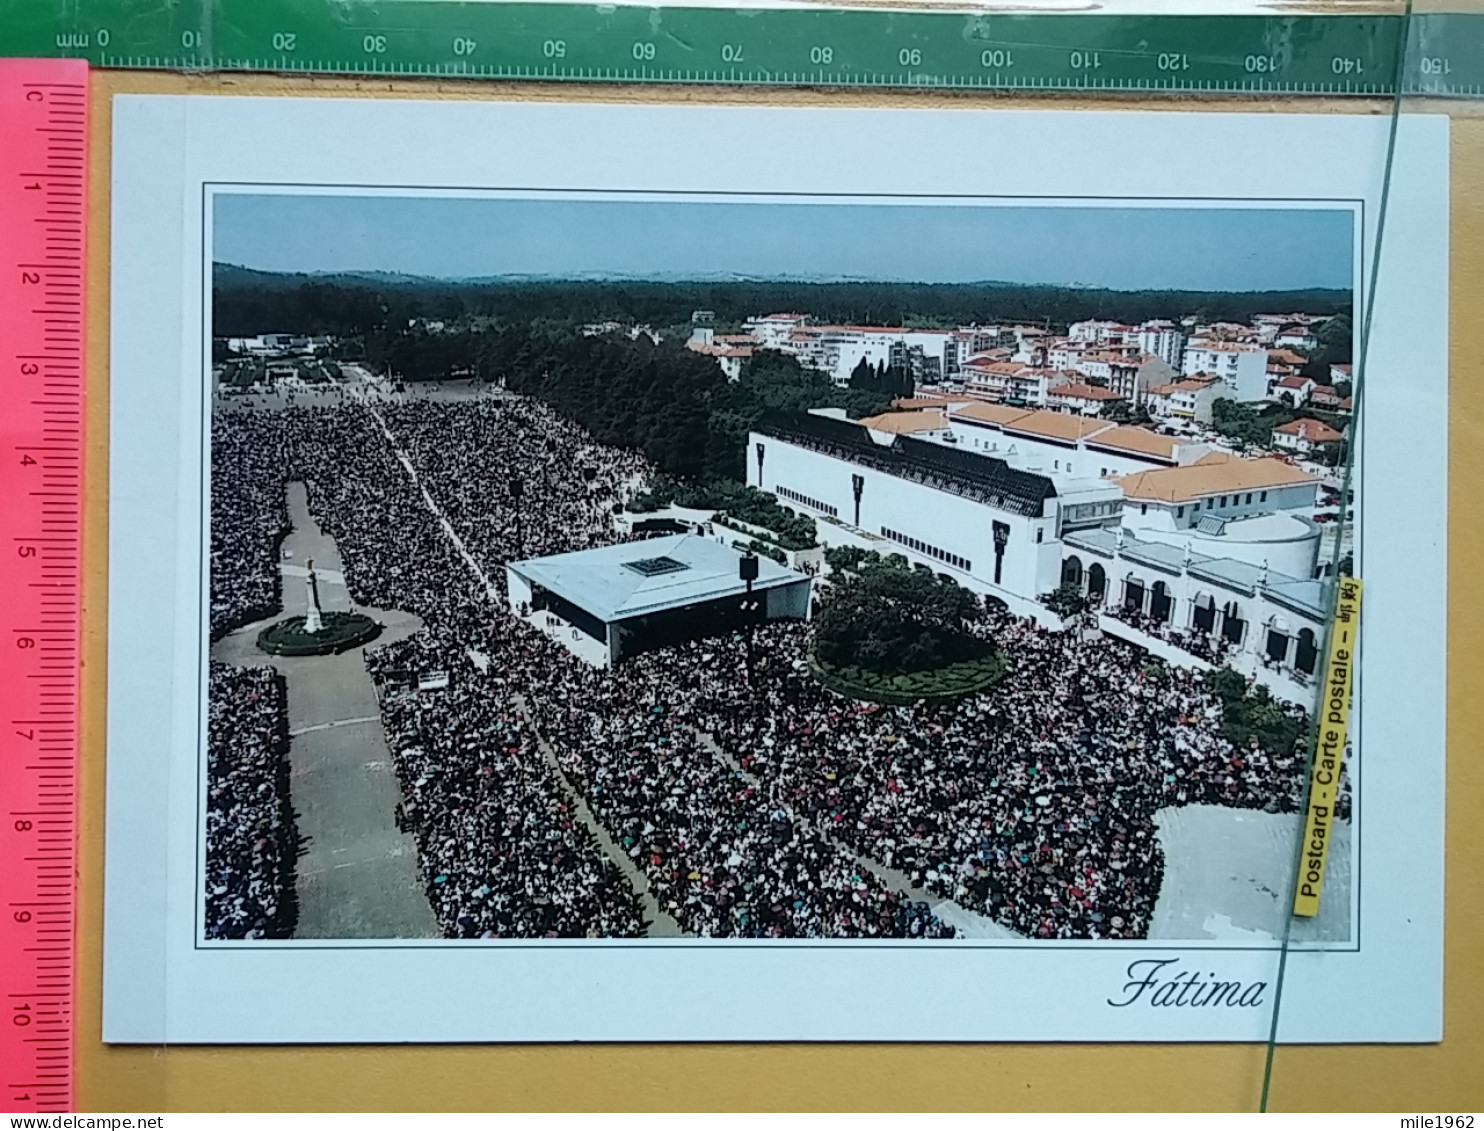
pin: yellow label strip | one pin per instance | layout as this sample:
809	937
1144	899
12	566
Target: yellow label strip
1334	721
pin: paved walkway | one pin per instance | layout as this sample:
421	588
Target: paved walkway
1229	872
357	874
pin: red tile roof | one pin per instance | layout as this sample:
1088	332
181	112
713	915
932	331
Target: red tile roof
1314	431
1075	391
1211	477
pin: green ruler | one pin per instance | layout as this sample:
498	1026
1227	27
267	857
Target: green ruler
1346	55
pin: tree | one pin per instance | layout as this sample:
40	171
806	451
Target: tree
1337	336
757	508
1227	685
1065	601
1122	412
849	559
888	381
1334	345
1251	713
249	302
768	550
891	618
1249	425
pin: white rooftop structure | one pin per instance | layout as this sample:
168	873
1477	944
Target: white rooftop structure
634	578
607	602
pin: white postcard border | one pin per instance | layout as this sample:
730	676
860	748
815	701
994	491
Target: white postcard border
159	985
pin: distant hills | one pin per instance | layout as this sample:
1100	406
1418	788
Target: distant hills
249	301
233	274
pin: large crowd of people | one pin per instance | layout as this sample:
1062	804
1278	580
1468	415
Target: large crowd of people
250	840
1033	804
768	808
722	851
1207	646
251	845
248	517
475	456
502	853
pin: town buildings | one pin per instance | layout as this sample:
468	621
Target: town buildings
1307	436
1190	398
1159	337
1024	364
1293	391
1326	397
1011	381
1241	366
1077	396
931	355
729	350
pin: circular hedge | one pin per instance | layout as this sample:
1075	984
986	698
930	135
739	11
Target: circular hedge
967	677
341	631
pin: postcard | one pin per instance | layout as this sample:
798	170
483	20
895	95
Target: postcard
586	572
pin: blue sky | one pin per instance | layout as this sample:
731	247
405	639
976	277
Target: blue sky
1121	248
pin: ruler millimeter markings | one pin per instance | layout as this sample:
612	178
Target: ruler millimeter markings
43	146
1321	55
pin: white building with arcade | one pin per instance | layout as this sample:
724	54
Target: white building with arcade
1199	557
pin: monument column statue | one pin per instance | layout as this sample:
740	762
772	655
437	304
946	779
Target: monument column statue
313	623
317	633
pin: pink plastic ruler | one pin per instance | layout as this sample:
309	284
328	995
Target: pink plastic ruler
43	159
